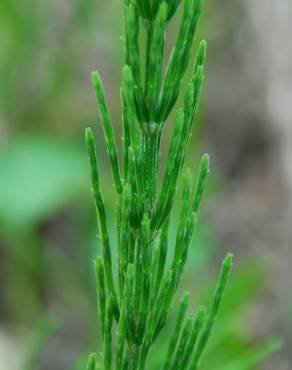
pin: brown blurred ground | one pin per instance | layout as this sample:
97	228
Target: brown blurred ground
249	135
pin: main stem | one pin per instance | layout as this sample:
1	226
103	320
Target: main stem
150	148
147	283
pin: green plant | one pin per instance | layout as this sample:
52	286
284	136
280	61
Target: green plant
147	283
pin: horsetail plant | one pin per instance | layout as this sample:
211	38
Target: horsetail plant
135	300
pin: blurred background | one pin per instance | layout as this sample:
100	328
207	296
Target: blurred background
48	315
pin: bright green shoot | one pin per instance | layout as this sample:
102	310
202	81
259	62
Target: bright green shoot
134	301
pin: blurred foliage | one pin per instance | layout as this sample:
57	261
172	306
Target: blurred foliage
45	53
38	176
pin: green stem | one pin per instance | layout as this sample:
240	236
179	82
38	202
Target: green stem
150	145
148	48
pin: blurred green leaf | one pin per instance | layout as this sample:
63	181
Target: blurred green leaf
253	356
38	176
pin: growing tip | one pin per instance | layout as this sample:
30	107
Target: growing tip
89	135
188	177
226	267
201	54
188	172
205	163
127	73
185	298
162	12
95	78
228	261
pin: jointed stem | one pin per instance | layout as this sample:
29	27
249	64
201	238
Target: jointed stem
147	282
150	149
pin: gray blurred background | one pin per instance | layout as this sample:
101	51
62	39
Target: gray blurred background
47	224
